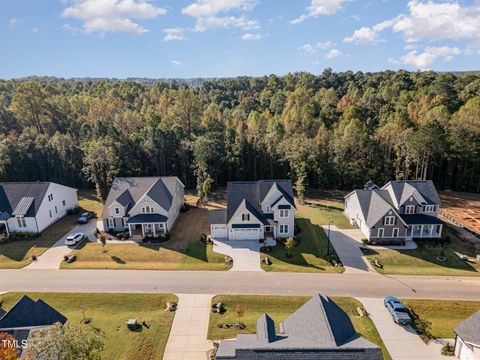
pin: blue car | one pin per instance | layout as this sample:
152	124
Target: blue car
397	310
83	219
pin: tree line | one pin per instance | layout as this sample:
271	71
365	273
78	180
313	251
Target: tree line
332	131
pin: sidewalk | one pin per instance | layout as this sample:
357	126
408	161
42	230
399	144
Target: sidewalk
188	336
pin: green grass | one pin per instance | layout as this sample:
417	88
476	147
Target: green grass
89	201
279	308
322	213
109	312
197	256
17	254
442	315
310	255
422	261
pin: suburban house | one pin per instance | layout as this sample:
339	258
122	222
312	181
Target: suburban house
263	209
467	340
34	206
320	330
27	316
400	210
143	206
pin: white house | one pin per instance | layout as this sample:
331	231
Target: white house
143	206
467	341
400	210
255	210
34	206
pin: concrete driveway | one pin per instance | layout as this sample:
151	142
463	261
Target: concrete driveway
245	253
403	343
188	335
52	258
347	243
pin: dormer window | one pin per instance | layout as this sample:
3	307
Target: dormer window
147	209
429	208
245	217
117	211
268	208
389	220
410	209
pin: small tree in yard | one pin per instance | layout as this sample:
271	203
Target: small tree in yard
103	240
8	349
289	245
239	311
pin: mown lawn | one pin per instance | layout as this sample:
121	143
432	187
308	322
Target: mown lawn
197	256
89	201
109	312
310	254
422	261
442	315
17	254
279	308
321	213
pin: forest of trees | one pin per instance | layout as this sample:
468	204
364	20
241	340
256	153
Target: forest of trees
332	131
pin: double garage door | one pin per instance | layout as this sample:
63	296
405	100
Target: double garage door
219	232
246	234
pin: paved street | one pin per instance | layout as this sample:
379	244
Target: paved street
204	282
402	343
52	258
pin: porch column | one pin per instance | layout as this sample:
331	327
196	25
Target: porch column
154	232
143	231
431	230
421	231
130	230
440	230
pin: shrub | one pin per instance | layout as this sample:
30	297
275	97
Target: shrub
365	241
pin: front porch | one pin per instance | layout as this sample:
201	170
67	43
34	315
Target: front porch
143	225
424	231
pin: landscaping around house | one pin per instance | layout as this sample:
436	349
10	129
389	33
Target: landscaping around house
423	260
279	308
441	316
109	313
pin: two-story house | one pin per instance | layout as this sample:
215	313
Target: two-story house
400	210
143	206
263	209
33	206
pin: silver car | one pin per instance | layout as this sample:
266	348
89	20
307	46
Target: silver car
74	239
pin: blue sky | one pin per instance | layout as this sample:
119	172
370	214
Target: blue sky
218	38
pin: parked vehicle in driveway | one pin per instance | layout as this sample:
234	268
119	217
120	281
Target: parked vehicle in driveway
74	239
397	310
83	219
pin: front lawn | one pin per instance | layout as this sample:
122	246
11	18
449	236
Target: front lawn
310	255
197	256
109	312
423	260
321	213
17	254
88	200
279	308
442	315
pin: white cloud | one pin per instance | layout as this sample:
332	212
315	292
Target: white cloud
35	30
363	35
424	59
102	16
332	54
207	14
13	23
176	64
308	48
252	36
318	8
324	45
174	34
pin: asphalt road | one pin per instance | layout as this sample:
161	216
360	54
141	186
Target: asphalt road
202	282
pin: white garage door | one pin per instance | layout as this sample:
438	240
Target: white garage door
219	232
246	234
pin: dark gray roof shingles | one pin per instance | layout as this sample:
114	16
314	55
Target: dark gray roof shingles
13	193
469	329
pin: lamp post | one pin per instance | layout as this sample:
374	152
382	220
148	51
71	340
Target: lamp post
328	240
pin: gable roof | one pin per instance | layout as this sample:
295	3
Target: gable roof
250	194
374	204
401	190
22	198
128	190
469	329
320	326
29	313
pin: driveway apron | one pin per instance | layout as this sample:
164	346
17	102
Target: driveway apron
245	253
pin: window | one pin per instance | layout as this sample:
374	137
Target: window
283	213
63	203
283	229
111	223
268	209
147	209
380	232
245	217
429	208
410	209
395	233
117	211
389	220
50	212
56	210
21	221
50	197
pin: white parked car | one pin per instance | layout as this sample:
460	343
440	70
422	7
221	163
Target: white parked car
74	239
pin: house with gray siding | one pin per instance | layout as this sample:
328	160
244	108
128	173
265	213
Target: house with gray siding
263	209
143	206
398	211
467	340
319	330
